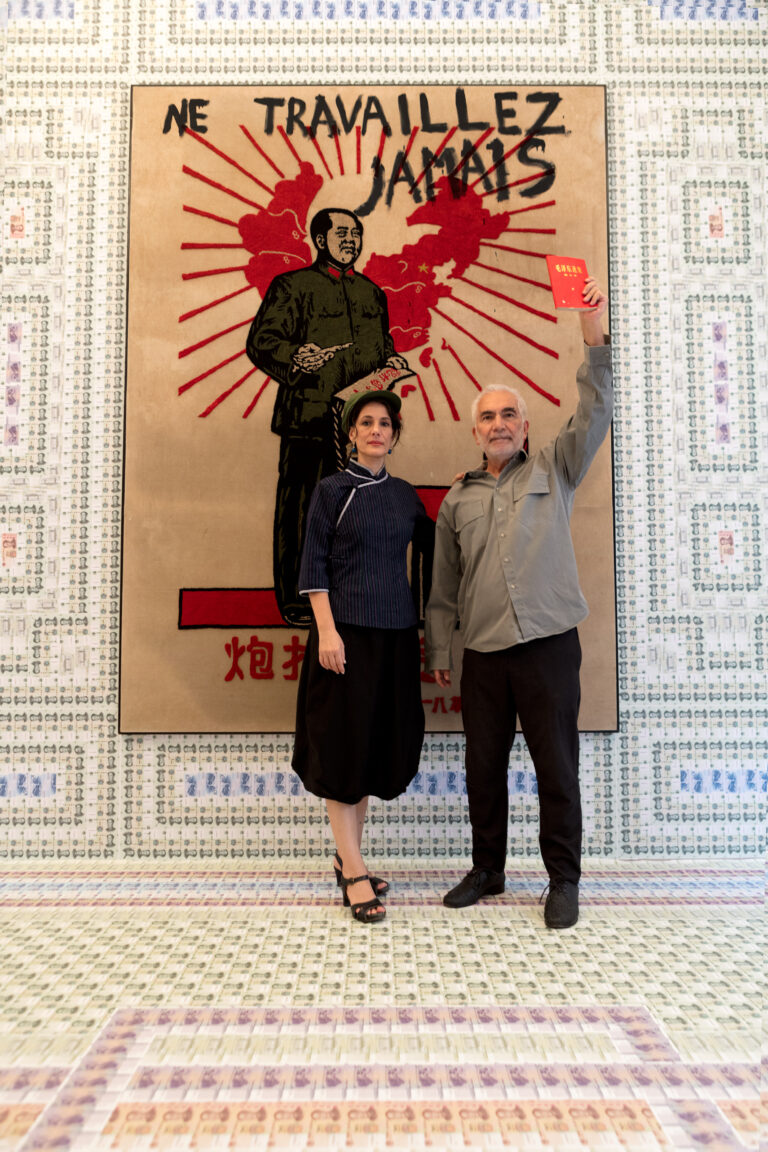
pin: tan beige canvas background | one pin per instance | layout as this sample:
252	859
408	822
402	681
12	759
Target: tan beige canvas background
199	489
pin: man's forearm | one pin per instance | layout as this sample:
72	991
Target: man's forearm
442	609
592	329
437	644
439	625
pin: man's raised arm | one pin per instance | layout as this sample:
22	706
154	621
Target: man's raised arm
592	322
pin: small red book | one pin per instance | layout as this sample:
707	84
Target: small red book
567	277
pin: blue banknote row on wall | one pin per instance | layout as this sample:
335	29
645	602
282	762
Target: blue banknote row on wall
391	10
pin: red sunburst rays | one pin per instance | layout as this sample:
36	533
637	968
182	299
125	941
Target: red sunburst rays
510	367
446	347
221	187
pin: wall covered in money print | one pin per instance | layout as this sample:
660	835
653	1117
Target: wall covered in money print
683	84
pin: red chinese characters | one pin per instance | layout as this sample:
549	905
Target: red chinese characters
260	663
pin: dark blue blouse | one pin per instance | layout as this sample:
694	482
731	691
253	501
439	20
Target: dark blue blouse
359	527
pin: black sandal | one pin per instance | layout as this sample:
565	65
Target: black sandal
380	887
360	911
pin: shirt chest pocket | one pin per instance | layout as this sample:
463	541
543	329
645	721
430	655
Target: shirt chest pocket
537	484
470	517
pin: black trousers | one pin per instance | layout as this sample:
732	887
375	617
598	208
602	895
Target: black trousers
303	461
539	682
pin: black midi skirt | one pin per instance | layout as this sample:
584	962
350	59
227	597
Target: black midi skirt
360	734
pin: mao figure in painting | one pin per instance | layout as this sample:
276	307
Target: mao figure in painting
318	330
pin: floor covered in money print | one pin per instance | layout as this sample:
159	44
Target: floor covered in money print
241	1007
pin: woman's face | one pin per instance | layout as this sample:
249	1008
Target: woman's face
373	431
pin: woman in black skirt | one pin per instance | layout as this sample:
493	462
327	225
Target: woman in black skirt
360	720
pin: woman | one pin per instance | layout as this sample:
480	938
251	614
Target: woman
360	721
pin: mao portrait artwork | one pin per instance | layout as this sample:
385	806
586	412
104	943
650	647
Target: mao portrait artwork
288	245
317	331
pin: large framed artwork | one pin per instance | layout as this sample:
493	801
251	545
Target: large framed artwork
459	194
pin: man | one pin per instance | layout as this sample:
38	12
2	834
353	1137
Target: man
318	330
504	564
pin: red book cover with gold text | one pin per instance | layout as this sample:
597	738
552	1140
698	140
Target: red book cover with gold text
567	277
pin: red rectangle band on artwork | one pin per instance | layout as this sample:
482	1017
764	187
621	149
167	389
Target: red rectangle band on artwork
229	608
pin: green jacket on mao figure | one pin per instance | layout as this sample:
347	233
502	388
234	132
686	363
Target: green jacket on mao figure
325	306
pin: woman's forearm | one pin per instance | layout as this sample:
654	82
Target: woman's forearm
330	644
321	610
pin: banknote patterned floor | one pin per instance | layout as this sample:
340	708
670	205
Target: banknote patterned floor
240	1007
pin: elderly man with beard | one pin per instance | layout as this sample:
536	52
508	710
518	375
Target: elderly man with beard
505	568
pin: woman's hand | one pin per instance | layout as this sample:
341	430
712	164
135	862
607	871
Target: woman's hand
330	646
330	651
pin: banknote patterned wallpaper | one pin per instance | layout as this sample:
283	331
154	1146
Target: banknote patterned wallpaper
685	84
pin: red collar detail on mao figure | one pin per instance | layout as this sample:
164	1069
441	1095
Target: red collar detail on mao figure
337	273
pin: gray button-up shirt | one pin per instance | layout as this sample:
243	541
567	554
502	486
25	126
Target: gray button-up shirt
504	562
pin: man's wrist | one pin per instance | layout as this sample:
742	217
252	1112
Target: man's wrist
438	660
593	333
595	349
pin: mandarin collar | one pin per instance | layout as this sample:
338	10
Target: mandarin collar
334	272
364	473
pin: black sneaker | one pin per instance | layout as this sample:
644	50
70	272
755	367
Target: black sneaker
479	882
562	907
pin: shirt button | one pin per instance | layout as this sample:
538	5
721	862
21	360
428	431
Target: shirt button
511	587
